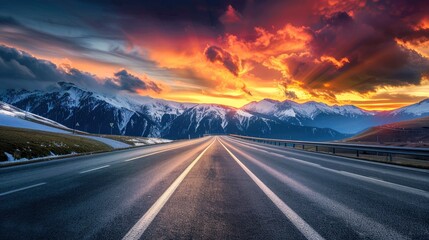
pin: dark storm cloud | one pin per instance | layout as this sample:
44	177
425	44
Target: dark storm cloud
290	95
230	62
374	59
128	82
19	69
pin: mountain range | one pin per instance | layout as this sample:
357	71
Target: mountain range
136	115
346	119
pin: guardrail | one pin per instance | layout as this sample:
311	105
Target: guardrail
357	149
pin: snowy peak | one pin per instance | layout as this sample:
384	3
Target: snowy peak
290	109
219	112
264	106
418	109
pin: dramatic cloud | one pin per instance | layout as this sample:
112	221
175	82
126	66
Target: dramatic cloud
19	69
218	55
371	46
324	50
128	82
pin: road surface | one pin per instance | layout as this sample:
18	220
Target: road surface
213	188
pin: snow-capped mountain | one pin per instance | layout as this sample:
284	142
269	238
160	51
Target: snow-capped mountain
218	119
144	116
419	109
93	112
347	119
290	109
136	115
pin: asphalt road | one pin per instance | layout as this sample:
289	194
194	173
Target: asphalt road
213	188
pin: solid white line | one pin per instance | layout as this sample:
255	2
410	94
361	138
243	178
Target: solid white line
138	229
380	182
391	185
296	220
21	189
93	169
366	227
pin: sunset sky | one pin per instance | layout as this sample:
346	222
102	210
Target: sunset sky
373	54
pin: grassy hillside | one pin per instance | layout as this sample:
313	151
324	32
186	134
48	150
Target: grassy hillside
407	133
25	143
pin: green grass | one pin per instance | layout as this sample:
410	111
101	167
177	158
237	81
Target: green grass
26	143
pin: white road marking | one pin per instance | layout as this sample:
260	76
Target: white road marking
373	180
366	227
21	189
94	169
296	220
138	229
387	184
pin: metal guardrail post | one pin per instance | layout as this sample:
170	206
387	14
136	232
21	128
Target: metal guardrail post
357	153
333	150
317	148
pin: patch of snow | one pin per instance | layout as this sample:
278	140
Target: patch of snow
243	113
9	156
288	113
264	106
110	142
147	141
8	120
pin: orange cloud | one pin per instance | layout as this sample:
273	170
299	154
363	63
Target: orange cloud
338	64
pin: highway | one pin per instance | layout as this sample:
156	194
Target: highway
216	187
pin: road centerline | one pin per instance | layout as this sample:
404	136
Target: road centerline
295	219
21	189
143	223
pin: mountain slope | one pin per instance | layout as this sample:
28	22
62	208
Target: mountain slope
11	116
419	109
410	132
